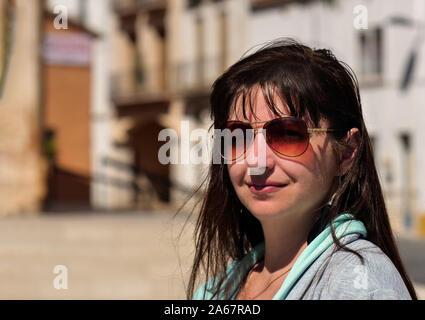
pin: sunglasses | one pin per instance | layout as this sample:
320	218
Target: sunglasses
287	136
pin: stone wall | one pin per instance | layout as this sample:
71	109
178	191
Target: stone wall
22	168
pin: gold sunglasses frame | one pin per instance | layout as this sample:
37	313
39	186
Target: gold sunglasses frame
309	131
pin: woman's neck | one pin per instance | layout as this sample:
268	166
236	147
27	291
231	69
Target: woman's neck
284	241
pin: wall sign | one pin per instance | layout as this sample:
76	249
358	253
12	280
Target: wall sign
67	49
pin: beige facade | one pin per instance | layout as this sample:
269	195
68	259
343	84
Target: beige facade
160	80
22	168
140	94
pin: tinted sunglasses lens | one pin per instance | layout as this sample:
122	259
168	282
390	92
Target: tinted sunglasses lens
235	140
288	137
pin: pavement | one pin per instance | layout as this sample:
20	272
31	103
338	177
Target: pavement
412	252
121	255
107	256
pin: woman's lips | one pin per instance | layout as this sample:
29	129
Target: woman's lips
260	189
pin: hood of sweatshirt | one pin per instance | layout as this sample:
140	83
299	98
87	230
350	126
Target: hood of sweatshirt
344	224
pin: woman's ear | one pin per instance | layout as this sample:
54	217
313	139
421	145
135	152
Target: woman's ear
353	140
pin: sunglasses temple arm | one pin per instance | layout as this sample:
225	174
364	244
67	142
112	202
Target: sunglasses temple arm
311	130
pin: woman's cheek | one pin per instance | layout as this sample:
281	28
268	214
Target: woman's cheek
236	173
308	158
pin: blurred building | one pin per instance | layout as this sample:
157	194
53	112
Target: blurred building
86	171
22	167
54	110
99	166
168	53
140	93
66	117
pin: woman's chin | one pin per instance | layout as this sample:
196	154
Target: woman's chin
267	210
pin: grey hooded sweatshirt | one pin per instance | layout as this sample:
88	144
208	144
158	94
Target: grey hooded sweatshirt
324	273
342	276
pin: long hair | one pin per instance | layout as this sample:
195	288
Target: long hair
315	85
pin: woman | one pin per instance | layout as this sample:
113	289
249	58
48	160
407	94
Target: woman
305	219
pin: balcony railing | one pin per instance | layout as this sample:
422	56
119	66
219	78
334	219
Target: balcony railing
131	5
180	79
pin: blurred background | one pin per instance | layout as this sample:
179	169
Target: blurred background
87	85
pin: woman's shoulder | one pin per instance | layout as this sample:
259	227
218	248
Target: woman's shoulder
375	277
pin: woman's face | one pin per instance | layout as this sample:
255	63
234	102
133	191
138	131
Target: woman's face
289	186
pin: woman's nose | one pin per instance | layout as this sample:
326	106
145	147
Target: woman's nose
259	156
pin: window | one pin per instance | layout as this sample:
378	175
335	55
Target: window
407	187
193	3
373	142
371	55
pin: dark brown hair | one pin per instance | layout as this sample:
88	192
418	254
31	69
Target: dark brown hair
314	85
